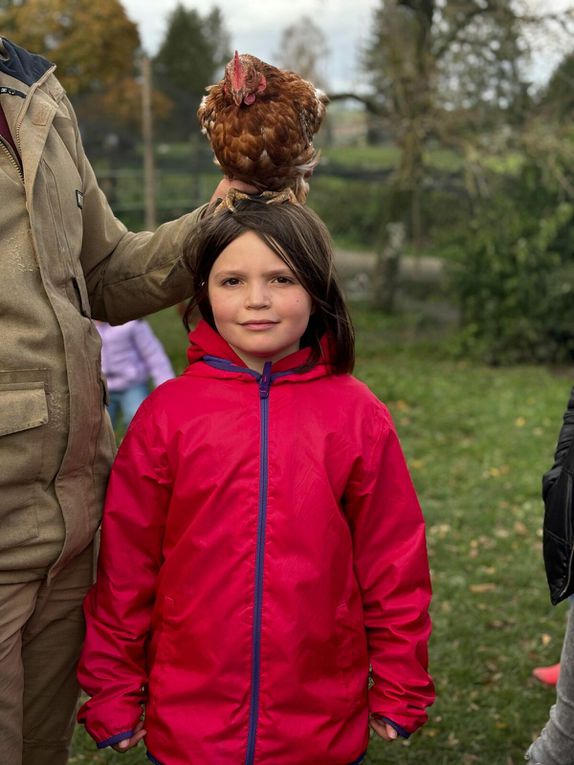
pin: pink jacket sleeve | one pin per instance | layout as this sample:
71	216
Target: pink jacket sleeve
152	352
393	573
118	609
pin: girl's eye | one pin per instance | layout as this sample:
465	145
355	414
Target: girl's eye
284	280
231	281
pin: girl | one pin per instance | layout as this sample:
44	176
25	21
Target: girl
263	582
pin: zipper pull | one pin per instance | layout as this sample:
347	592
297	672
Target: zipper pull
265	380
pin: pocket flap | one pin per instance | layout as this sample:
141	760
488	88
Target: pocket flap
22	408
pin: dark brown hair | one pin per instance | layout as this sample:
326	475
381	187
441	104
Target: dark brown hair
297	236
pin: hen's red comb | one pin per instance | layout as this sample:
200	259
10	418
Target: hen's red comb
238	73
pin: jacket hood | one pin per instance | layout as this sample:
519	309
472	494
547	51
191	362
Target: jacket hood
206	342
21	64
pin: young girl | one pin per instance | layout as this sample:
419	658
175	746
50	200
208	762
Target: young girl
263	582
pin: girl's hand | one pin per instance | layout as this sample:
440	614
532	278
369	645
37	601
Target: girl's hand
383	729
127	743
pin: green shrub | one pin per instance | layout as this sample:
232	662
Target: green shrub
514	277
353	210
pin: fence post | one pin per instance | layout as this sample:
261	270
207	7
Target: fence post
148	156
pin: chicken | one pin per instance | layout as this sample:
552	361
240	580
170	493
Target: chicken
260	122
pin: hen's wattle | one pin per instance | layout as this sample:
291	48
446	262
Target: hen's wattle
260	122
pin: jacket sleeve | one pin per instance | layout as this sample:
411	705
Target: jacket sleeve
118	609
152	352
128	275
565	438
392	569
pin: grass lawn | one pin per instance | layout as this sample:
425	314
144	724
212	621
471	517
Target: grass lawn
477	440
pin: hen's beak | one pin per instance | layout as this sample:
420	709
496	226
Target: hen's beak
238	96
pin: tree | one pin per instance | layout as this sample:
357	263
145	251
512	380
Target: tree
193	51
93	44
447	70
557	98
303	48
401	61
95	47
436	60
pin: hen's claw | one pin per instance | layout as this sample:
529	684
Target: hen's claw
233	195
278	197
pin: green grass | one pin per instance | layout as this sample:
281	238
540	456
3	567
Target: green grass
362	157
477	440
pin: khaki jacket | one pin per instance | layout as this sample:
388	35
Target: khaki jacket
64	259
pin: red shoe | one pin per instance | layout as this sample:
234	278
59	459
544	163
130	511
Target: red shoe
547	675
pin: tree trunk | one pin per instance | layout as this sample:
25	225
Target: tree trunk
386	277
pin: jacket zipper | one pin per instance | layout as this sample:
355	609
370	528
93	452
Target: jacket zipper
11	158
27	98
264	384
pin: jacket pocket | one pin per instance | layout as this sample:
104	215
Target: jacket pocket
23	415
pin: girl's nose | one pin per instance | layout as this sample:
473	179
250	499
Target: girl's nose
258	296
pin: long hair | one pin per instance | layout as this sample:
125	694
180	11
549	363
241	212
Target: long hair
297	236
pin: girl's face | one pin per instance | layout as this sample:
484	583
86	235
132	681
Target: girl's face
258	305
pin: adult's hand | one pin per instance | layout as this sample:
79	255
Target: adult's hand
228	183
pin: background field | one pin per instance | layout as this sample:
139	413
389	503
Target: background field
477	440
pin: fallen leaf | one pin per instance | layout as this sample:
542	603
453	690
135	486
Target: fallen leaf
483	587
521	529
495	472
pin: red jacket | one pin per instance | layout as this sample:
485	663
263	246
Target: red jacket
262	546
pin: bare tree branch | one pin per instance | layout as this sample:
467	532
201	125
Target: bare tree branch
449	40
370	104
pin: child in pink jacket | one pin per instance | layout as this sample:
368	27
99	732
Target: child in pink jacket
131	356
263	584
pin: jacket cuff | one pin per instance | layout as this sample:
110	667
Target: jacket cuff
403	733
113	740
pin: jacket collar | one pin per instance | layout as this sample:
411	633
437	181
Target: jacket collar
20	64
206	342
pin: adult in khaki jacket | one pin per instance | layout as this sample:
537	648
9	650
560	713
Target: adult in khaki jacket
64	258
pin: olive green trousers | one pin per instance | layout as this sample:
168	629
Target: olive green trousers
41	632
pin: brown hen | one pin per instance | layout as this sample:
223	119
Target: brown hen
260	122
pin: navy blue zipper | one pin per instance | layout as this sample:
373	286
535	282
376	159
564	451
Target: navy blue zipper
264	380
264	384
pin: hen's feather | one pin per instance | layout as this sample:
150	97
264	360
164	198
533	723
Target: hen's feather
267	140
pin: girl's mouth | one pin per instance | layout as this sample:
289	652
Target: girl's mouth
259	325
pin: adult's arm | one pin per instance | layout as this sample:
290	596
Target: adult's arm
129	275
